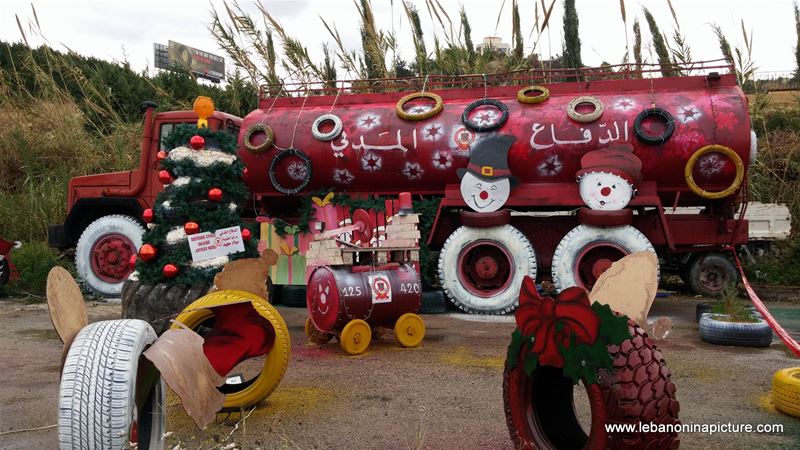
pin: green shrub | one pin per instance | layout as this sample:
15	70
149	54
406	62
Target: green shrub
34	261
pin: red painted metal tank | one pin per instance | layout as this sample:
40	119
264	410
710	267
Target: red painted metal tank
378	152
378	295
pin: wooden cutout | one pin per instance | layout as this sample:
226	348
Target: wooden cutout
247	274
178	355
629	286
66	306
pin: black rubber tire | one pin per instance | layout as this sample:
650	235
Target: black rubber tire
654	140
741	334
706	285
5	272
485	102
283	154
293	296
274	292
433	302
156	304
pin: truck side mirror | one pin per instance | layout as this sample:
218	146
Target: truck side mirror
147	104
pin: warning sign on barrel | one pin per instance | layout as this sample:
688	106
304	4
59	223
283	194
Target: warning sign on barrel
381	289
218	243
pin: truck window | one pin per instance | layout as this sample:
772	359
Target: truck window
165	130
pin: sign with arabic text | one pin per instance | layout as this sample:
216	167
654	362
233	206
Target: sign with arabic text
214	244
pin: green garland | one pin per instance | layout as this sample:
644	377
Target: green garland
581	361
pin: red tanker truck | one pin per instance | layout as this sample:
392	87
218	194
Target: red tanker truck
688	140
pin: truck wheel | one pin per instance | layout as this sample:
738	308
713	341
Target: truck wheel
104	250
742	334
4	272
540	411
158	303
586	252
710	273
482	269
99	406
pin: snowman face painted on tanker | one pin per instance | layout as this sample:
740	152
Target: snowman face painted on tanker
483	194
605	191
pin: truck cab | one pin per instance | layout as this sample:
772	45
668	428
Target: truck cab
104	211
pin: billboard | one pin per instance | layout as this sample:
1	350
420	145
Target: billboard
200	63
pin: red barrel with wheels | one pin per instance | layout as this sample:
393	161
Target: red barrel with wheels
346	301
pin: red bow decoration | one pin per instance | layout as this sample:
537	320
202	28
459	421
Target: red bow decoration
553	321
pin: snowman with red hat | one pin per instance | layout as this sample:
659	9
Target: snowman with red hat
608	179
486	182
609	176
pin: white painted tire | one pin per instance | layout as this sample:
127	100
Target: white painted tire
114	224
331	135
523	263
96	400
627	238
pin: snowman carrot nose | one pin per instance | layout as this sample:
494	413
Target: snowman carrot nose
484	195
605	192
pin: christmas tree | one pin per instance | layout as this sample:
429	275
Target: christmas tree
203	192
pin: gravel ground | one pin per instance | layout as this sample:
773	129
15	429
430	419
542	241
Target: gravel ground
446	394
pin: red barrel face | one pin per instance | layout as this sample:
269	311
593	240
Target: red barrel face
379	152
336	295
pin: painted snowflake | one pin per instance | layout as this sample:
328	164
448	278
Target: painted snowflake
413	171
298	171
432	132
342	176
551	166
371	162
369	121
485	117
710	165
419	109
688	114
726	120
442	160
624	104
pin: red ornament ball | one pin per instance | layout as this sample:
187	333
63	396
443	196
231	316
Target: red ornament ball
244	173
164	177
215	194
246	235
191	227
132	261
161	155
148	215
197	142
147	252
170	271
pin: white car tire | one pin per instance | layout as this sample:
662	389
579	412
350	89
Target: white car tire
97	397
128	230
508	241
625	239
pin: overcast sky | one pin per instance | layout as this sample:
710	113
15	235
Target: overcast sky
117	30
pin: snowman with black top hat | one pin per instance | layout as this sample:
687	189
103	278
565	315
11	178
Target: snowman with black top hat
487	181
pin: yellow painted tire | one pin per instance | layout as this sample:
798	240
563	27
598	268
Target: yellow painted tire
585	118
405	115
409	330
523	97
276	360
786	391
316	336
262	147
727	151
355	337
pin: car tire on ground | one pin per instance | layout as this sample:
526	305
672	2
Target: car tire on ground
293	295
158	303
433	302
710	273
103	253
97	398
586	251
786	391
540	411
481	269
742	334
